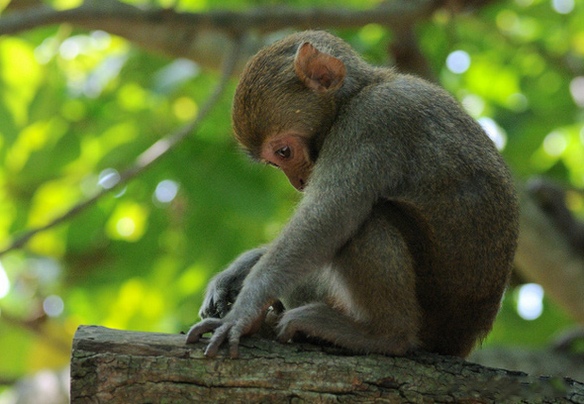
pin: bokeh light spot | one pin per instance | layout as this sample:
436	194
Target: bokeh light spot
530	301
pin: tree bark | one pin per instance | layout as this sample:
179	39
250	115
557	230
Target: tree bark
549	361
120	366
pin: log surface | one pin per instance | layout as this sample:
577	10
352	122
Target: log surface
137	367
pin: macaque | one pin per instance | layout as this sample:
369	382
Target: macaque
407	228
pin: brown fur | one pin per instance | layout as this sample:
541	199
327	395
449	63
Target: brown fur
406	233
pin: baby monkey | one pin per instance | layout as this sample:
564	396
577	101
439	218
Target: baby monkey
407	228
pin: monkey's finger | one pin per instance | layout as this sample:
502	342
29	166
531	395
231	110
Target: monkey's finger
201	328
207	309
285	337
231	295
243	327
234	337
217	339
222	307
214	304
213	310
272	319
286	331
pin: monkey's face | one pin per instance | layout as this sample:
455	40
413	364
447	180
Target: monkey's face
281	122
282	128
285	104
265	109
290	153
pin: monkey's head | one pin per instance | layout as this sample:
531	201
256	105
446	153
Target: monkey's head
288	98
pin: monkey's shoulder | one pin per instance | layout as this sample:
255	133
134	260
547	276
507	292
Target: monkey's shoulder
402	105
406	124
404	92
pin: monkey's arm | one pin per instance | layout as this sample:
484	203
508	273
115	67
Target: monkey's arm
224	287
308	242
343	188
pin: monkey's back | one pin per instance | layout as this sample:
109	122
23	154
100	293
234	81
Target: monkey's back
446	177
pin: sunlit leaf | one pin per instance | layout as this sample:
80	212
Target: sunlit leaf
65	4
492	81
51	199
43	353
20	80
128	222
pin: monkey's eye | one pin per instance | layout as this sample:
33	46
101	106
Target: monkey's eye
285	152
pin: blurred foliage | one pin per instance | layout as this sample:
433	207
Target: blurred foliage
77	107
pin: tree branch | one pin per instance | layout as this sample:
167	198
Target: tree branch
201	36
35	326
541	361
148	158
113	13
118	366
408	56
545	256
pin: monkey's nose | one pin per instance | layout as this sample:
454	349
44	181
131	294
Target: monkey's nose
301	185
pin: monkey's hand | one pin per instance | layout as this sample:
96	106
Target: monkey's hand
231	328
224	288
221	294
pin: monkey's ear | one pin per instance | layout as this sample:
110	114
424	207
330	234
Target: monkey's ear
319	71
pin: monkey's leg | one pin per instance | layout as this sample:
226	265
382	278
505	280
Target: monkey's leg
372	304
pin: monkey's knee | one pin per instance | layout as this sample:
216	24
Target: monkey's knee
300	320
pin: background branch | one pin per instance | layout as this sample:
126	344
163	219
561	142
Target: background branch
202	36
544	255
149	157
112	13
35	326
